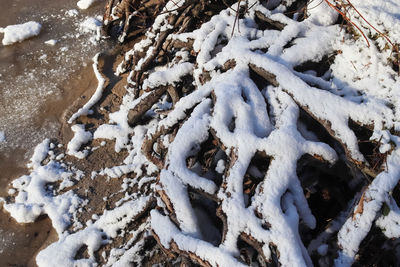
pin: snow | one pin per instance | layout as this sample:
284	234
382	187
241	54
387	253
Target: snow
170	76
62	252
164	229
80	138
34	198
390	223
118	171
245	119
357	227
91	25
19	32
321	14
51	42
86	109
72	13
220	166
39	154
85	4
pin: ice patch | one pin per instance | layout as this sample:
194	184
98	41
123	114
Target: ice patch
19	32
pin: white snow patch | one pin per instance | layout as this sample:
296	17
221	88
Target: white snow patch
80	138
51	42
220	166
170	76
19	32
85	110
91	25
62	252
36	194
85	4
72	13
39	154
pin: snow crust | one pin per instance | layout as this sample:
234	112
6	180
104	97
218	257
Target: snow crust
19	32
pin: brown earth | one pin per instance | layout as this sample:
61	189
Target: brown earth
21	242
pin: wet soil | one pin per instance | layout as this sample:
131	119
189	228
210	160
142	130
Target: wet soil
37	84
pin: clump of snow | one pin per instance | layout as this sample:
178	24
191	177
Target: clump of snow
80	138
39	154
220	166
85	4
390	223
92	26
36	195
72	13
321	14
170	76
19	32
51	42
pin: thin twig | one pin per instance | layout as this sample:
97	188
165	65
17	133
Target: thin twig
348	20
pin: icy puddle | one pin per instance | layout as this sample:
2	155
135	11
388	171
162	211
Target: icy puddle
39	78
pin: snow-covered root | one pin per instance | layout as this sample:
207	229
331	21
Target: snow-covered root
280	140
359	224
211	122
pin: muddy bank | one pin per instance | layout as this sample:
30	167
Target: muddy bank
38	82
21	242
13	161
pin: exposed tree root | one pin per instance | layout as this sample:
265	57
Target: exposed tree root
232	128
